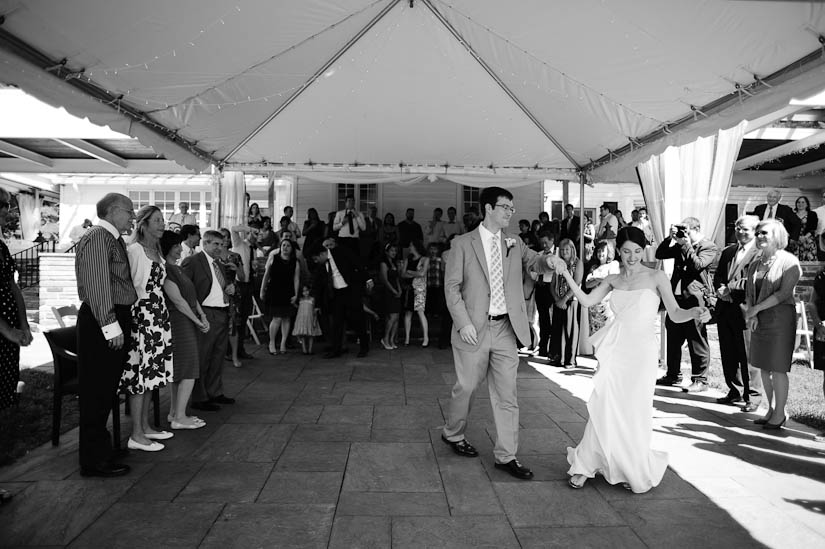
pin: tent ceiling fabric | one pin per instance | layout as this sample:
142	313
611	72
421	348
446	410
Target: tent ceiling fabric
590	73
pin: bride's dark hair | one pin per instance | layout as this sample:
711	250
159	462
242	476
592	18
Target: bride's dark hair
633	234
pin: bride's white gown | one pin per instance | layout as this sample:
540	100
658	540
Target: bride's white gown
616	441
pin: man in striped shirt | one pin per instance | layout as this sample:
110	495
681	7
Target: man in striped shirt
104	286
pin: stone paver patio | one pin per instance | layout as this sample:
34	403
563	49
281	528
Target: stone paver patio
346	453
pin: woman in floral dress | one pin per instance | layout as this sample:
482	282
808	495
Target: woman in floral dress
233	267
806	245
149	365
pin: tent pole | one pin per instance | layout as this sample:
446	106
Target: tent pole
312	78
582	180
270	199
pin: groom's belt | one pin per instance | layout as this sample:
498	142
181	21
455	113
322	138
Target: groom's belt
496	317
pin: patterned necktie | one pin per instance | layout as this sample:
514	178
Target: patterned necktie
496	277
221	280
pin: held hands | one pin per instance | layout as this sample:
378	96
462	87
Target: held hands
557	264
230	289
468	334
702	314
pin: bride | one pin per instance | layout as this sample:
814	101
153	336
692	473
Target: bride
616	440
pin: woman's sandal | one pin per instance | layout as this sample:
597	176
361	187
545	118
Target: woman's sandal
572	481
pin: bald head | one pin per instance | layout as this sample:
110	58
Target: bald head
774	197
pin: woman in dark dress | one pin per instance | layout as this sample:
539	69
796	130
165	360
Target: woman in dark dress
188	319
313	229
14	327
388	233
233	267
279	292
389	291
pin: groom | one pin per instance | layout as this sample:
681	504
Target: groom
482	286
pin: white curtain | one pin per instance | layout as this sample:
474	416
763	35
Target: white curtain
232	207
29	207
692	180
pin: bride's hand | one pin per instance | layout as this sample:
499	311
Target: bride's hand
702	314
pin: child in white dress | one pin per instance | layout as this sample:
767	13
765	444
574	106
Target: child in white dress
306	321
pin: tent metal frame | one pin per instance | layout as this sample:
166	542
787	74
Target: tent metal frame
297	93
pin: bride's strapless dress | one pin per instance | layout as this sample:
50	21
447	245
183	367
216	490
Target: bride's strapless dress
616	441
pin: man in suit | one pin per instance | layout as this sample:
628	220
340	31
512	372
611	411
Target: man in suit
774	210
729	283
104	286
483	289
693	254
213	294
570	226
544	298
338	290
609	225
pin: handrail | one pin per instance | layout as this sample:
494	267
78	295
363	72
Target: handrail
28	263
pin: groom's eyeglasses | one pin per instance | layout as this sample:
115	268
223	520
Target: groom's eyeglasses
506	208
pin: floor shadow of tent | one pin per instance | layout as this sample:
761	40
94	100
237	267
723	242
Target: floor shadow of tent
771	452
813	505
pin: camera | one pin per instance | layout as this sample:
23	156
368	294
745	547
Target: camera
681	231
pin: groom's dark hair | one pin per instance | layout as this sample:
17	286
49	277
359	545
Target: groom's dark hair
490	196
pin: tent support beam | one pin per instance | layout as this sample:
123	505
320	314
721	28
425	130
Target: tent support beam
806	63
499	81
297	93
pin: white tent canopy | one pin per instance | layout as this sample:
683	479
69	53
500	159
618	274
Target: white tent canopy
467	84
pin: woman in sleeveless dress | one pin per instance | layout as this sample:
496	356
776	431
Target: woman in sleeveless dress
149	363
616	440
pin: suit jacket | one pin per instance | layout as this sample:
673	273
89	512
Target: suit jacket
197	269
467	284
690	261
573	232
789	218
352	270
724	275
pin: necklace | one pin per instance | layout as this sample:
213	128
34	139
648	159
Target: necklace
770	260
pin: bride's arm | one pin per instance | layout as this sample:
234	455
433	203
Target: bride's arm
587	300
676	313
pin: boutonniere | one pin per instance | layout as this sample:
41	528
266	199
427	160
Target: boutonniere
509	243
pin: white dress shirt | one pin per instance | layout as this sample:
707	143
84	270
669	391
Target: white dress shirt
341	224
487	241
338	281
215	297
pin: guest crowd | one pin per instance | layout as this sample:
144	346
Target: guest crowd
170	305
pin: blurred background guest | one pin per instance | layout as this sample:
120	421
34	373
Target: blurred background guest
14	326
564	335
313	229
388	234
389	293
806	245
187	320
233	267
415	290
253	215
279	292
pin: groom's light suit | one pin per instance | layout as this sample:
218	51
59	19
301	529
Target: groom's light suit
467	291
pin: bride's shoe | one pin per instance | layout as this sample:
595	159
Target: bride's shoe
577	481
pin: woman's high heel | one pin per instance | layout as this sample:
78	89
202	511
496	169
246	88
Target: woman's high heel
577	481
774	426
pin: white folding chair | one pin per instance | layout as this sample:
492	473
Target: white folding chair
250	320
62	313
804	334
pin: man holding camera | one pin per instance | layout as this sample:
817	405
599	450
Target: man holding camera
350	224
692	254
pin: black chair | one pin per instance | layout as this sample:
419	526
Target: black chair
63	343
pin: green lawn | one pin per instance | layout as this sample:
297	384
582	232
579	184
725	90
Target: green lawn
806	403
29	425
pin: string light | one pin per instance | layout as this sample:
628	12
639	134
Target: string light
173	52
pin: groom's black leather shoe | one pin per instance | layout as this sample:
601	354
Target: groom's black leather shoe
461	447
516	469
